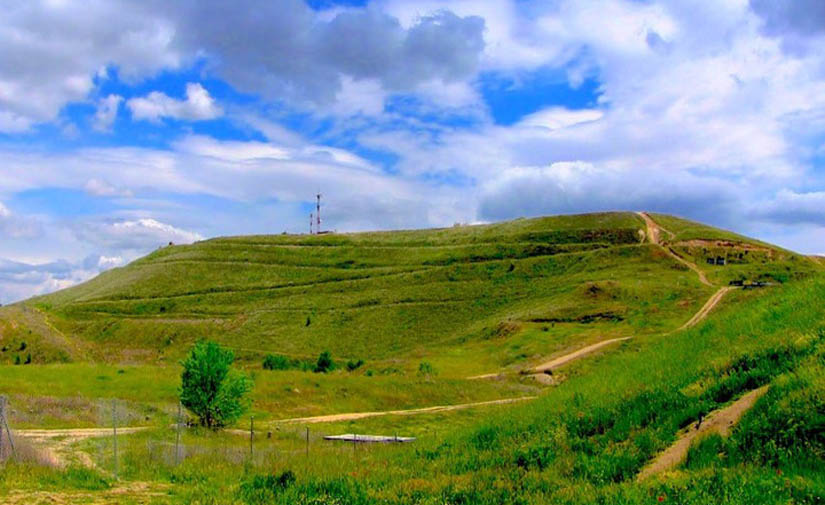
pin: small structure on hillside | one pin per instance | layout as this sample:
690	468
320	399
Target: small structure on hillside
369	439
718	260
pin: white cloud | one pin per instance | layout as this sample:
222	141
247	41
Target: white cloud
197	106
99	187
792	208
137	235
555	118
52	51
106	113
17	227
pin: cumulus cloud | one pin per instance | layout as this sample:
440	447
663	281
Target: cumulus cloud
136	235
570	187
21	280
803	17
99	187
53	50
790	207
106	112
197	106
287	50
17	227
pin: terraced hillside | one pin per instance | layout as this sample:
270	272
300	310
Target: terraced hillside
389	294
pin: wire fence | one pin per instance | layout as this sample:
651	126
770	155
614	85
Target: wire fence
120	444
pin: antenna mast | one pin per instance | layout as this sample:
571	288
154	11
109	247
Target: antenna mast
310	223
318	213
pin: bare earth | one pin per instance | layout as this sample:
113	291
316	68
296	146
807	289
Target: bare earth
719	421
654	232
705	310
59	452
567	358
426	410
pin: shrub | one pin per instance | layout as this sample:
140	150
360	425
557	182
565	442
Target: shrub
265	488
276	362
325	363
354	365
210	388
426	368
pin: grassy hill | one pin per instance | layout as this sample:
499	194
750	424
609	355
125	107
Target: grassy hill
428	310
377	295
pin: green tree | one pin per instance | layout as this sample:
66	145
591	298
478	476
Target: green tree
210	389
325	363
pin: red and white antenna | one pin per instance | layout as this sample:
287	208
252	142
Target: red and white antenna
318	212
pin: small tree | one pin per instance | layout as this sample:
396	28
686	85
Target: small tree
210	389
325	363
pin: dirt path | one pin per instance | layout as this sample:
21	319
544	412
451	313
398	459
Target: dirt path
59	452
654	233
719	421
567	358
411	412
706	308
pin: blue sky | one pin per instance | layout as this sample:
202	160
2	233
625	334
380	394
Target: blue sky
126	125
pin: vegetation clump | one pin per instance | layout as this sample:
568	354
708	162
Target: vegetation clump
210	388
324	363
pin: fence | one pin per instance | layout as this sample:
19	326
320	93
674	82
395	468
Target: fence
118	447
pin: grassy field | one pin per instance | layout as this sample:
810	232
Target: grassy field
463	301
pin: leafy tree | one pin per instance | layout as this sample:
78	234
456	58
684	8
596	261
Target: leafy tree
210	389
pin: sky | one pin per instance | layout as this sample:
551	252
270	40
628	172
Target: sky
129	124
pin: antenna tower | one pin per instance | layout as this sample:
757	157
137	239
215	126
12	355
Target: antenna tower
318	212
310	223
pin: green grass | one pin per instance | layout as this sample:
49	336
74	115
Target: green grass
454	303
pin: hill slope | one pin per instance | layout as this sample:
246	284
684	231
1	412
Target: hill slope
388	294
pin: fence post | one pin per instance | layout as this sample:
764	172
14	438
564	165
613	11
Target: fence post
6	425
177	437
251	435
114	434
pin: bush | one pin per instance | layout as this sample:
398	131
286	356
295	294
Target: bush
276	362
210	389
354	365
426	368
265	488
325	363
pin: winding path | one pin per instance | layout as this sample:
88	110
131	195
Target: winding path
719	421
410	412
653	233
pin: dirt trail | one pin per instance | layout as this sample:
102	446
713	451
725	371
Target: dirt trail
654	232
567	358
719	421
59	452
426	410
706	308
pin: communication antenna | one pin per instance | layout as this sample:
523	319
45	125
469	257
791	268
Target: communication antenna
318	212
310	223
